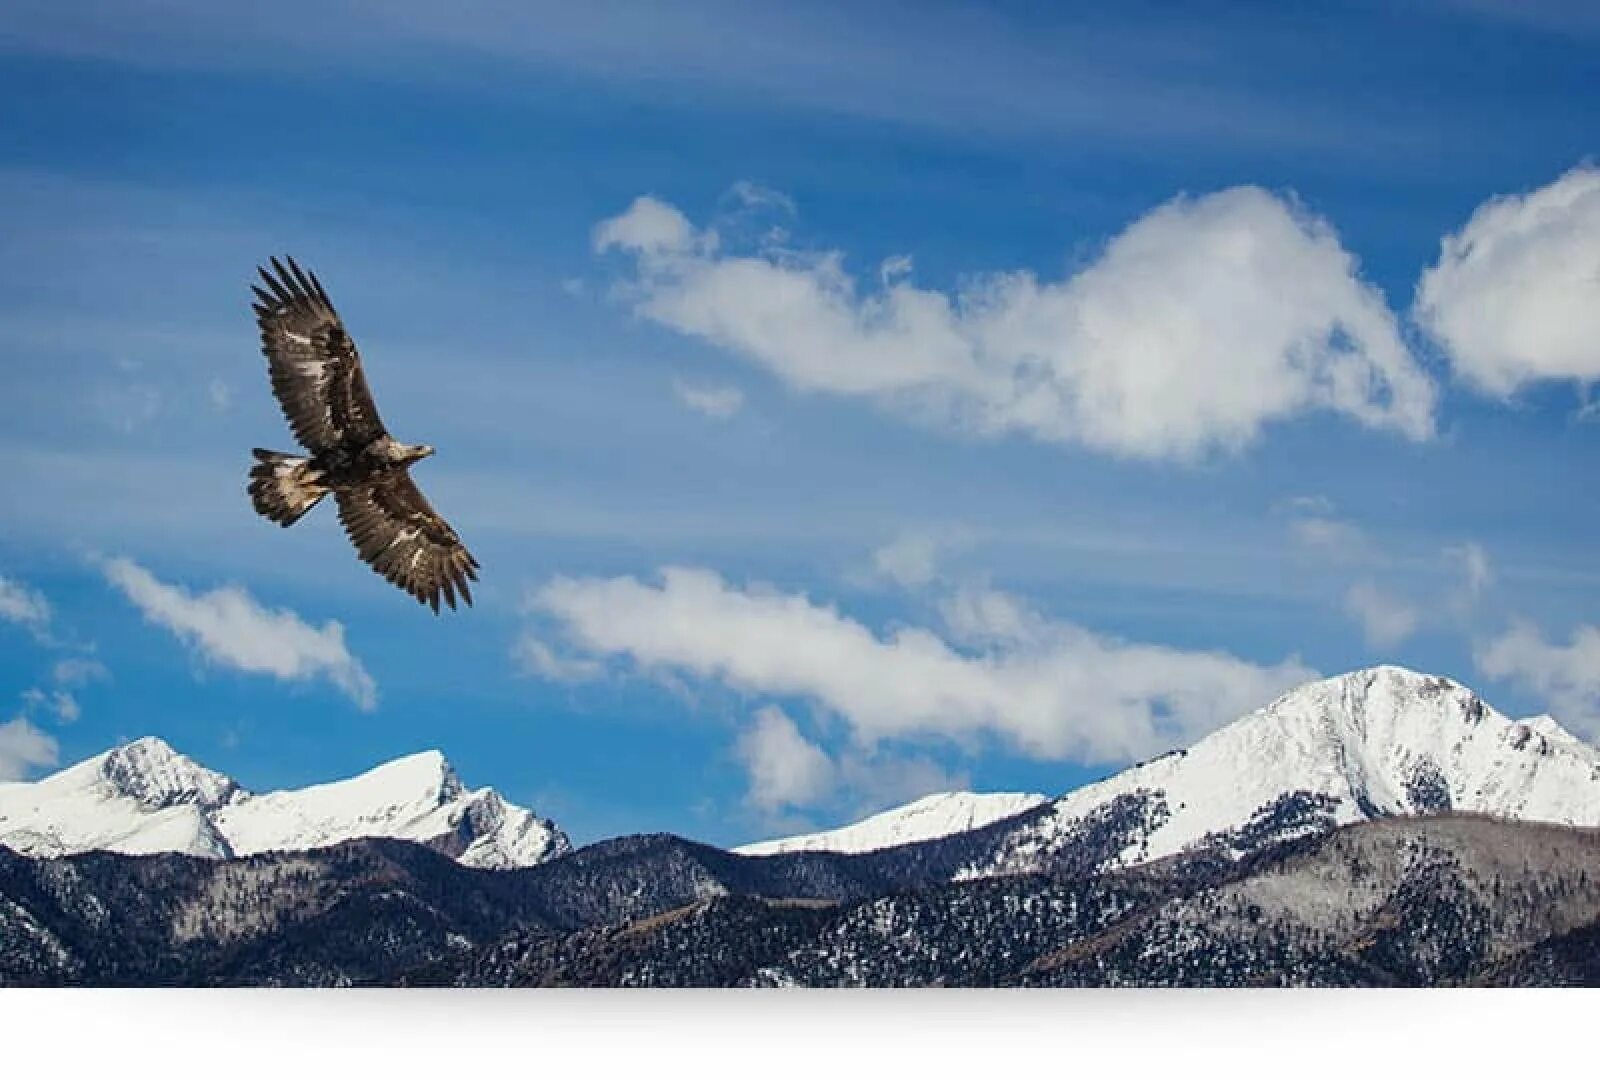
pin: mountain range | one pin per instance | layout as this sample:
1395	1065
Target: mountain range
1377	828
144	797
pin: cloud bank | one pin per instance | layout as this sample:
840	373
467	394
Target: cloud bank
1050	689
1198	325
229	628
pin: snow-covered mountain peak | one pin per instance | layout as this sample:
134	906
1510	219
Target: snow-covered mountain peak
1371	743
424	777
152	774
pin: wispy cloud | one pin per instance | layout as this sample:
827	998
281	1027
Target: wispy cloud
25	606
717	402
228	627
951	68
534	656
24	748
78	670
909	560
1386	619
1142	354
1476	571
65	707
1512	297
1051	688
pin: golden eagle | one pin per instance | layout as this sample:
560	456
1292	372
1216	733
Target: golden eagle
317	378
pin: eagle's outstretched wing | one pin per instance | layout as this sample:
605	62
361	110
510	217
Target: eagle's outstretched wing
405	539
316	370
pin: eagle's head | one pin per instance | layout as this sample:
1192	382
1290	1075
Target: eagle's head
406	454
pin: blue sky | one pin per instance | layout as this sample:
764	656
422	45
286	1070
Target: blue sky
912	336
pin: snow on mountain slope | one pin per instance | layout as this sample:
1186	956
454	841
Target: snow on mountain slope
1374	743
145	797
928	818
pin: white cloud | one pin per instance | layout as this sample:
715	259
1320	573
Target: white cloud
221	395
65	706
24	606
717	402
1515	295
23	748
909	560
753	196
229	628
785	769
1566	676
1053	689
77	670
1342	541
1312	505
1385	619
535	657
788	771
1202	322
650	227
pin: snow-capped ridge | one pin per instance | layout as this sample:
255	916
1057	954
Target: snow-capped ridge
145	797
927	818
1376	742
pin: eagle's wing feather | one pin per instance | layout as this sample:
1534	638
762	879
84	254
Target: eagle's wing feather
395	530
316	370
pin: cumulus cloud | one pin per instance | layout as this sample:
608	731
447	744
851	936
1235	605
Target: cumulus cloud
786	769
229	628
1198	325
25	607
1050	688
717	402
1515	295
1567	676
789	772
24	748
1386	619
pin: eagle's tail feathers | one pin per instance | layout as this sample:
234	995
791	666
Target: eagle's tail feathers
284	487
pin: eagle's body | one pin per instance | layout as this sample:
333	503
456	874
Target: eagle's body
317	378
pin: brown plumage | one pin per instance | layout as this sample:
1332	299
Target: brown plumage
317	378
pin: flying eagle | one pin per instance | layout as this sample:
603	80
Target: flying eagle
317	378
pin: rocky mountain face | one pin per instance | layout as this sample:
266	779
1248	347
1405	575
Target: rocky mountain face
145	797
